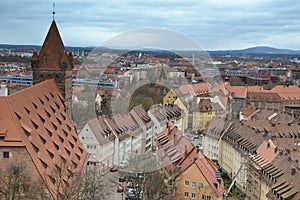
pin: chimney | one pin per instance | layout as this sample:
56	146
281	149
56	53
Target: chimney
3	90
293	171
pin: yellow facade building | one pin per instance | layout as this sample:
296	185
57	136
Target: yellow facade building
170	97
199	180
202	114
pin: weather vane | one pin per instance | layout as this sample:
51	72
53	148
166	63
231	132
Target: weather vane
53	13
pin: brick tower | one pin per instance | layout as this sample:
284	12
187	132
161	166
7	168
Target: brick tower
53	62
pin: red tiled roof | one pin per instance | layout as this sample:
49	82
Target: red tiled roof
210	174
177	150
263	95
287	92
249	110
200	89
266	153
35	117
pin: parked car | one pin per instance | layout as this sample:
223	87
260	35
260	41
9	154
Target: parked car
120	188
122	179
133	175
124	163
113	169
199	145
131	193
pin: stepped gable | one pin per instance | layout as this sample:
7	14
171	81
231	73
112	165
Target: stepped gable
35	118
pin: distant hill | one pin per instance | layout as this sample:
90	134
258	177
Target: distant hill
258	50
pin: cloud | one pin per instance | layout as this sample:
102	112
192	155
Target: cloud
216	24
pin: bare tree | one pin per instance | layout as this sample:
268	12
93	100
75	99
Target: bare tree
93	186
18	182
155	186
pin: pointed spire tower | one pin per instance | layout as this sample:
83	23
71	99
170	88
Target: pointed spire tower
53	62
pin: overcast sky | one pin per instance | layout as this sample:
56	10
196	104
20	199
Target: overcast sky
214	24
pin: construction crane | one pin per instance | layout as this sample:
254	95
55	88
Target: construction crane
233	181
226	193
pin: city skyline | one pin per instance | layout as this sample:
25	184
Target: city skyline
215	24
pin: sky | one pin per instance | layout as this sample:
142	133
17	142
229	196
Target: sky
212	24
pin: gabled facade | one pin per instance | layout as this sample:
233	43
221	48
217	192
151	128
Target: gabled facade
128	137
144	121
99	142
202	114
200	178
170	97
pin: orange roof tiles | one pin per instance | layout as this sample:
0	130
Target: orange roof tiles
237	91
267	153
287	92
36	118
249	110
7	124
177	150
199	89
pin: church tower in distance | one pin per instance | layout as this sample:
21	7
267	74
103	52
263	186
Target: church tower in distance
53	62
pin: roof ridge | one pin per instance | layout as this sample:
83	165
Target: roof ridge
32	86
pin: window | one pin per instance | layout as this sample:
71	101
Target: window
200	185
193	184
193	196
205	197
186	183
186	194
5	154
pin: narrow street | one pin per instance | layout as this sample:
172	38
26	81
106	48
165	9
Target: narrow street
111	180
